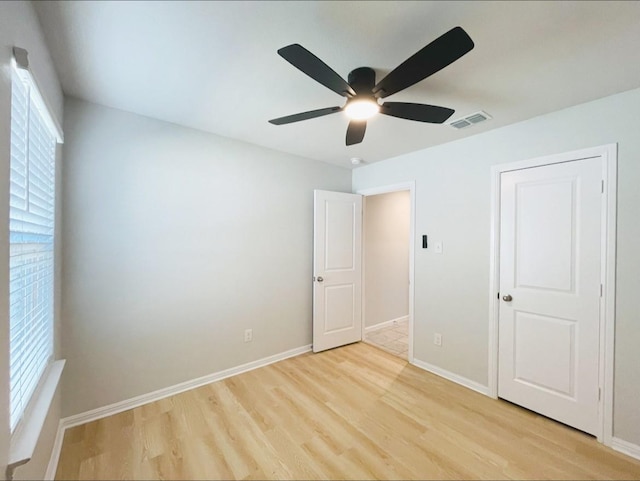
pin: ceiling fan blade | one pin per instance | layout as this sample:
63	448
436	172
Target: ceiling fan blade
308	63
420	112
312	114
355	131
443	51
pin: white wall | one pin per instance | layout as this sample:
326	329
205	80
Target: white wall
386	257
176	241
453	205
19	27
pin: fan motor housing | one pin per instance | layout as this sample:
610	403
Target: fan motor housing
362	80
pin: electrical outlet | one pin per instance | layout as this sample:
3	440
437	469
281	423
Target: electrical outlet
248	335
438	247
437	339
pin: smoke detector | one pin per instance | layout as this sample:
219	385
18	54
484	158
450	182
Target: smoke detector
469	120
356	160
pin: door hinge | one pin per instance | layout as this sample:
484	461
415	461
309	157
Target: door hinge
602	187
601	290
599	393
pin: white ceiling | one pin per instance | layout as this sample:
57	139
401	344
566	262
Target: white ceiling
213	65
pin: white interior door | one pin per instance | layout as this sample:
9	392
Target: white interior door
550	288
337	269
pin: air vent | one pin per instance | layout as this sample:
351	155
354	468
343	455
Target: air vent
460	124
472	119
475	118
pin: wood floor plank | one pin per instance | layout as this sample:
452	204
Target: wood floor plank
354	412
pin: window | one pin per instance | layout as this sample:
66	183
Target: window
31	237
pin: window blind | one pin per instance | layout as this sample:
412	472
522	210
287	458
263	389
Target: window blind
31	229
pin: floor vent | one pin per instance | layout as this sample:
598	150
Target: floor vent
472	119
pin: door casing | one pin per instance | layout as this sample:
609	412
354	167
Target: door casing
608	154
385	189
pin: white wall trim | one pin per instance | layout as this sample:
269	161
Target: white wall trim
382	325
115	408
609	155
608	304
134	402
52	467
25	439
463	381
625	447
386	189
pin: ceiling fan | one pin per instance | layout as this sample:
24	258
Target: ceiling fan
362	91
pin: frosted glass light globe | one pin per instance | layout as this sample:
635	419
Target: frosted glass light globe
361	109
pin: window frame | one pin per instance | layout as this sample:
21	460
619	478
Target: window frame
34	101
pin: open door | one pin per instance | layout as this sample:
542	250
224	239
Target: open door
337	269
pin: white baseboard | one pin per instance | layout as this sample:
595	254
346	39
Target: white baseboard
617	444
52	467
134	402
463	381
625	447
115	408
382	325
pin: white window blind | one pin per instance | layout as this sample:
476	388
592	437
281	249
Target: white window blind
31	229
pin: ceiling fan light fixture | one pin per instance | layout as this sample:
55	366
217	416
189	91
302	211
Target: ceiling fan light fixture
364	96
361	109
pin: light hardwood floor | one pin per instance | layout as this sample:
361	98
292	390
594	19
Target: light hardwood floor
354	412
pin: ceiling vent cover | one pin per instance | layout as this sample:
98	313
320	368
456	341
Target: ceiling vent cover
472	119
460	124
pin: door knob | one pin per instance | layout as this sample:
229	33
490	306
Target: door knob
507	298
320	279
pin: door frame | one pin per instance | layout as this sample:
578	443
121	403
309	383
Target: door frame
609	155
386	189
